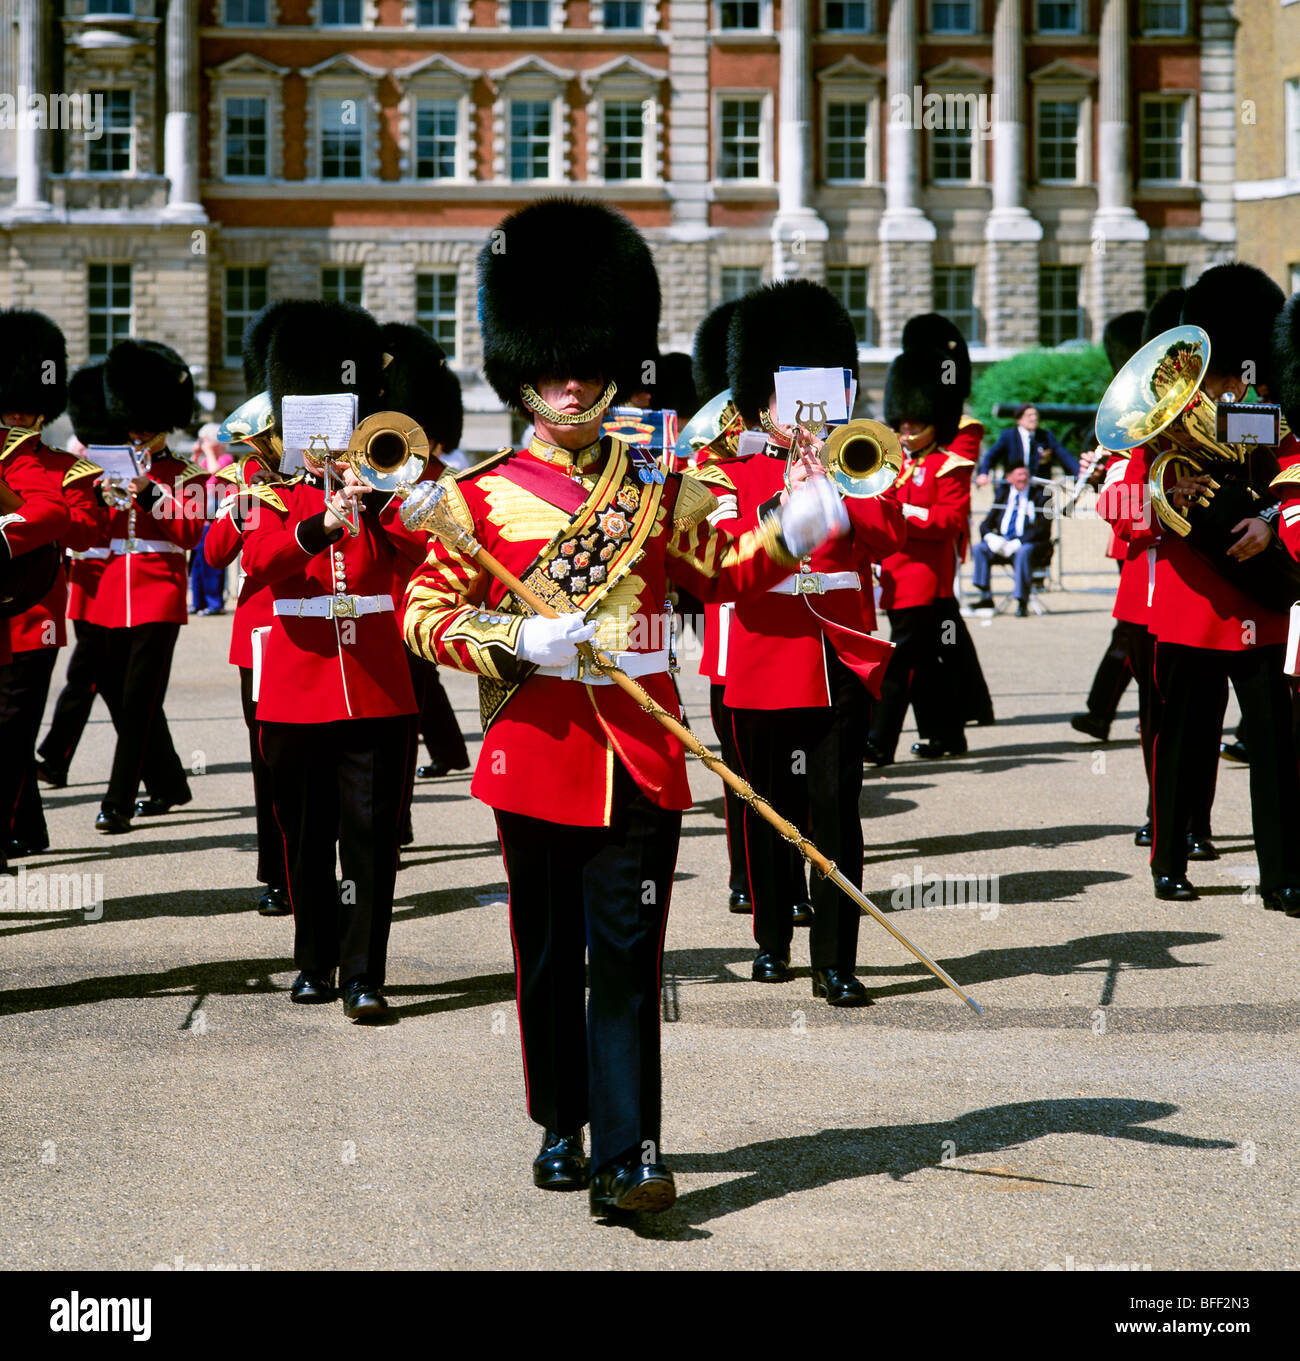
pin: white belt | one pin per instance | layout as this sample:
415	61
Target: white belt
817	583
90	553
632	663
123	546
334	606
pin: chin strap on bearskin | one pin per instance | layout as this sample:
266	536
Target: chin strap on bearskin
548	413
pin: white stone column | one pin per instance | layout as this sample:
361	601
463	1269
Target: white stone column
181	131
33	144
799	236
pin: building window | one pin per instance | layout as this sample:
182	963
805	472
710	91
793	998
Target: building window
342	139
1060	318
740	148
435	309
1160	279
530	13
245	297
624	14
530	139
848	16
340	13
737	280
952	16
109	307
1059	16
848	123
624	139
849	285
435	14
1058	139
436	138
740	14
1291	131
111	153
340	283
1162	140
245	13
950	153
1163	16
109	6
954	296
245	137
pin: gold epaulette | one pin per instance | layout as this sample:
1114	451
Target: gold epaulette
81	468
953	463
710	474
455	498
693	504
15	437
232	472
499	457
267	494
968	420
1287	476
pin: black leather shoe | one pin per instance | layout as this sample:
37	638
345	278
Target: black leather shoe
154	808
1144	835
1091	727
46	774
407	836
308	989
363	1002
1201	848
875	757
839	988
16	849
1234	751
770	968
1173	890
934	751
274	903
1022	609
985	602
435	770
562	1164
630	1188
112	822
802	915
1283	900
740	901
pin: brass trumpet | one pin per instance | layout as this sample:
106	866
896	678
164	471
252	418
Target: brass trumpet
863	458
388	452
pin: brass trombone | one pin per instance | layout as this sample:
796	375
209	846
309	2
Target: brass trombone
388	452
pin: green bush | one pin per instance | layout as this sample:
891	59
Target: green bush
1043	377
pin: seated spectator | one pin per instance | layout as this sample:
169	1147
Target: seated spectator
1028	443
1017	530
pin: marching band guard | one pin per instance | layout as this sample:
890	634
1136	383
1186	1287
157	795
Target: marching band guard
587	790
916	580
33	393
802	660
152	521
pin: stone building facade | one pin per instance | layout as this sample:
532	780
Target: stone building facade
1028	166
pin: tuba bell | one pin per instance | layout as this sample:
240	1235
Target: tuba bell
863	458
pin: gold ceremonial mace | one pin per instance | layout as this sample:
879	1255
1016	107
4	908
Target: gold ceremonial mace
438	520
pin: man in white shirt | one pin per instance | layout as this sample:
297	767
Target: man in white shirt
1016	530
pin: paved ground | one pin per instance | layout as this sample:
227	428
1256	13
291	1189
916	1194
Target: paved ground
1129	1097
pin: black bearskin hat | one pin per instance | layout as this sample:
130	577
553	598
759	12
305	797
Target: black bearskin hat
796	323
257	338
933	331
674	388
1121	338
709	357
148	386
1236	305
418	382
29	344
915	390
567	287
1163	314
324	347
1286	361
88	409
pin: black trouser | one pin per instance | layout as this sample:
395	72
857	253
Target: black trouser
77	698
733	805
1190	681
961	680
916	675
340	785
24	688
1114	671
270	848
602	891
137	667
809	759
438	726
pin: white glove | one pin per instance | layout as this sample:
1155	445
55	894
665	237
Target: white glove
995	543
1011	547
554	642
814	513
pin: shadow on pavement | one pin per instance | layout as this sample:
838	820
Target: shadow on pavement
1007	838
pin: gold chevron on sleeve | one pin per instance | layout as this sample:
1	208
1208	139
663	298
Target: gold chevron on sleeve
81	468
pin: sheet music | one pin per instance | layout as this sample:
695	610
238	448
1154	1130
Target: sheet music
814	388
331	415
117	460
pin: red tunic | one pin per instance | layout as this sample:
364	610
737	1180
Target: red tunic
935	491
324	669
148	587
1124	504
550	748
253	609
1286	487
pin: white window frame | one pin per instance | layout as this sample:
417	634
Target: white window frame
1291	125
625	80
132	128
1188	101
246	76
870	28
649	18
130	330
228	361
463	23
974	297
1079	296
764	22
555	15
1064	80
456	360
1080	7
531	78
272	16
951	32
343	77
850	80
1164	32
358	265
369	18
766	171
873	327
438	77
